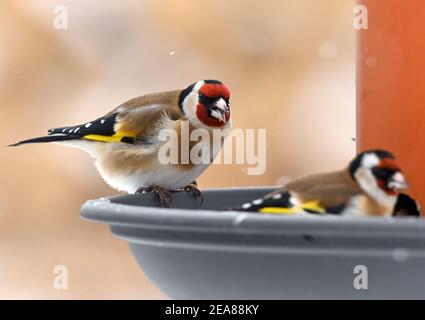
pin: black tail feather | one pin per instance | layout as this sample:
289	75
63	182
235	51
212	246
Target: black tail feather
275	199
52	138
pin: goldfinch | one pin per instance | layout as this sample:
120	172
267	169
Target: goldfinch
126	141
369	186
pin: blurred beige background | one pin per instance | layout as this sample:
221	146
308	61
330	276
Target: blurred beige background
290	67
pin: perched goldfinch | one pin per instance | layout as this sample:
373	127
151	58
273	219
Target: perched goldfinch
368	186
126	141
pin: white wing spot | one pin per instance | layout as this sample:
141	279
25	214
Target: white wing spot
63	130
76	129
88	125
277	196
294	201
102	121
246	206
257	202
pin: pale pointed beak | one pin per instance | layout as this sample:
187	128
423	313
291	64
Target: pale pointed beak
398	182
220	110
221	105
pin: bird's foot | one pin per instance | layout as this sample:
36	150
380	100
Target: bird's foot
193	188
164	196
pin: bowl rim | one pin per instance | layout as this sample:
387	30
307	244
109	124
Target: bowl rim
103	210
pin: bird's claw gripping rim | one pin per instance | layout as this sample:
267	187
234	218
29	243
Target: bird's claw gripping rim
193	188
163	195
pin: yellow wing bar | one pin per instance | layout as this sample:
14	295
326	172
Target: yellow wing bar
117	137
311	205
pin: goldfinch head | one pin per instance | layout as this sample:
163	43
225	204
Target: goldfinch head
206	102
378	170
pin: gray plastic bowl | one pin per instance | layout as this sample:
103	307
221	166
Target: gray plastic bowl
192	253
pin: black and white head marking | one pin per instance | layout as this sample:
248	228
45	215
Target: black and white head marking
380	182
206	104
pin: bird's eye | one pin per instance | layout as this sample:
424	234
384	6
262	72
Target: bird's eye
205	100
382	173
